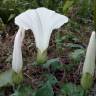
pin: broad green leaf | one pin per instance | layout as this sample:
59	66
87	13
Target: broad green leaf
70	89
51	78
69	37
56	65
24	90
9	77
45	90
6	78
77	54
50	62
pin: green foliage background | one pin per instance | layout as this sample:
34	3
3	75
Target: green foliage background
10	8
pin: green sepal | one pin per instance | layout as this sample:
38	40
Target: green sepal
41	57
87	81
17	78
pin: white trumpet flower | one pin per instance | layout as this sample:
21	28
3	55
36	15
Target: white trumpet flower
17	53
89	64
41	21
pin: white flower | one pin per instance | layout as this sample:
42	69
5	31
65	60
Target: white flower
89	64
17	53
41	21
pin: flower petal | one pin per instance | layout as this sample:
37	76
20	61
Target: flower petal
50	20
17	53
41	21
89	64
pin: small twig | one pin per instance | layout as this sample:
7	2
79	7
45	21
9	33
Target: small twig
27	76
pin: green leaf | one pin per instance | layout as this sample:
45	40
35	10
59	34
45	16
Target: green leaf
67	5
85	8
51	78
9	77
69	37
11	17
50	62
1	26
45	90
56	65
68	67
24	90
70	89
6	78
74	46
77	54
